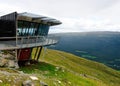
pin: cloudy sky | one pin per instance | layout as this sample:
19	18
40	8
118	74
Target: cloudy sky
76	15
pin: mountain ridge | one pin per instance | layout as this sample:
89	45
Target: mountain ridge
104	46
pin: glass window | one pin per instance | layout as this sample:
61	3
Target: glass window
32	29
43	29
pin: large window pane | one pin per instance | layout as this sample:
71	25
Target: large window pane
32	29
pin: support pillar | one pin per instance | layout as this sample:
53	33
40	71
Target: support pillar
39	53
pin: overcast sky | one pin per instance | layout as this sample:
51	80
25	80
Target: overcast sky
76	15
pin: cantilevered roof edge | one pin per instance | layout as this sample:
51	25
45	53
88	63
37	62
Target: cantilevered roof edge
38	18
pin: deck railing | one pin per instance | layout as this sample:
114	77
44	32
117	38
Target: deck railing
32	41
25	42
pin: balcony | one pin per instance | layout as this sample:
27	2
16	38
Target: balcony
26	42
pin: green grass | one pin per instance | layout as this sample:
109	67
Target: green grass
55	74
77	65
58	68
77	71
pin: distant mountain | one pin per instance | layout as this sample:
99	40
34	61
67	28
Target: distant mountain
99	46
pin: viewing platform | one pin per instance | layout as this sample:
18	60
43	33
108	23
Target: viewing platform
25	42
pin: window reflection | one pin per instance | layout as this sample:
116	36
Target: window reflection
32	29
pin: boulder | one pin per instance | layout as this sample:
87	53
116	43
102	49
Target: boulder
43	83
3	62
11	63
33	77
28	83
7	56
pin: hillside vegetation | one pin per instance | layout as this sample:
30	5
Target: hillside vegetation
57	68
83	71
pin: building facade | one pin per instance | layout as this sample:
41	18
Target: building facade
24	33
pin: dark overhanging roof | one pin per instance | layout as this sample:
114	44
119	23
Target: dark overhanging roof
37	18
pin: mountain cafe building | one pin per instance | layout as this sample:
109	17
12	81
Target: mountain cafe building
22	34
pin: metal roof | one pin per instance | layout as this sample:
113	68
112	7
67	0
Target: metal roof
37	18
31	15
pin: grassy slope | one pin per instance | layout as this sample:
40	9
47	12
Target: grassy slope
63	69
86	70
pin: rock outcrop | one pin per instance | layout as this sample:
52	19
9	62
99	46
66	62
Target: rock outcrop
8	60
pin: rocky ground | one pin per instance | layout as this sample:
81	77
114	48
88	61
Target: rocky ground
11	77
8	60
